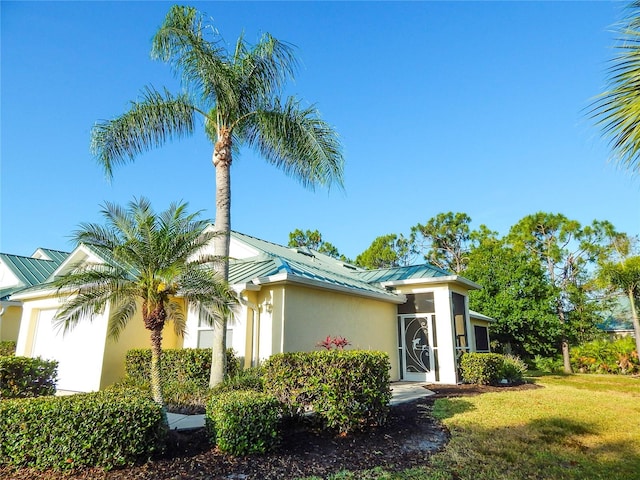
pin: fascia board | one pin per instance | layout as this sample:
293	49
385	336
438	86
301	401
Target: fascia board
434	280
287	277
479	316
71	259
35	293
248	286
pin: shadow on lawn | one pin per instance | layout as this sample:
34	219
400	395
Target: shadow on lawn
544	448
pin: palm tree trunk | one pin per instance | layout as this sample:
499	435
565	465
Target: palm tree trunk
634	318
156	368
222	162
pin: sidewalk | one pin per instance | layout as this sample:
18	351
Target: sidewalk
400	392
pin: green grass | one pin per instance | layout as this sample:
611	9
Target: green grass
577	427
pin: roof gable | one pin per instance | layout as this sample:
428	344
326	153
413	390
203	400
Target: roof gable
25	272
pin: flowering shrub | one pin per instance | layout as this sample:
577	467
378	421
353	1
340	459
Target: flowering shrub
338	342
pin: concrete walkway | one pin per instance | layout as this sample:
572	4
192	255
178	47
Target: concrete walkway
400	392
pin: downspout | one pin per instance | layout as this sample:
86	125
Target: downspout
255	328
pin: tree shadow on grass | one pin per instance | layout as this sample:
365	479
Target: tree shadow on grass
551	447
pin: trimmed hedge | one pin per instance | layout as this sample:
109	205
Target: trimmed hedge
23	377
347	389
481	368
178	365
7	349
102	429
241	422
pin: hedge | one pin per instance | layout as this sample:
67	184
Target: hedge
22	377
241	422
102	429
481	368
7	348
348	390
178	365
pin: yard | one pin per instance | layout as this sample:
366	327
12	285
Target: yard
577	427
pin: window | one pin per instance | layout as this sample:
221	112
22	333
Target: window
460	322
482	338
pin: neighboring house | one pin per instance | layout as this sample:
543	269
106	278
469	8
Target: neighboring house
19	273
618	322
289	300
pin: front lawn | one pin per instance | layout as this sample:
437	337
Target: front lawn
575	427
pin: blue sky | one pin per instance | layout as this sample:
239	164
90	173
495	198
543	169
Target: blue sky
474	107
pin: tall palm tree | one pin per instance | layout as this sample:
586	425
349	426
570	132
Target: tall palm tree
237	95
617	110
153	260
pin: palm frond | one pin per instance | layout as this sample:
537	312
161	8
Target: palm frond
182	41
297	141
617	110
149	123
121	316
175	314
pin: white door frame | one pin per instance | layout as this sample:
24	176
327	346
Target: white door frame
418	354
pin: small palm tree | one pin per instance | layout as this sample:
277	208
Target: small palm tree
153	260
237	95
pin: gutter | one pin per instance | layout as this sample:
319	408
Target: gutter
448	279
324	285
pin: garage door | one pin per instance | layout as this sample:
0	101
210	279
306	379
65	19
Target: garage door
79	352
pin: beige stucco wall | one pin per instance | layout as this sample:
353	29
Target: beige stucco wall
135	335
10	323
308	315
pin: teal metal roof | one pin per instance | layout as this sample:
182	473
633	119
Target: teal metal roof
31	271
402	273
303	263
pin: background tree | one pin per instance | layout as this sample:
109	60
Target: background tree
386	251
567	251
314	241
617	110
152	260
445	240
517	294
237	95
621	273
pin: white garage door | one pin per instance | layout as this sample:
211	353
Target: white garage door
79	352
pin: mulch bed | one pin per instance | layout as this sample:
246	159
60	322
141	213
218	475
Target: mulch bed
409	437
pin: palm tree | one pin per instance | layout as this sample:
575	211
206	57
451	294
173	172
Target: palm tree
153	260
617	110
623	275
238	97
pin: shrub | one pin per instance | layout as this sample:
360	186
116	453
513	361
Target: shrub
103	429
548	364
606	356
481	368
243	421
178	365
512	369
346	389
7	349
249	379
22	377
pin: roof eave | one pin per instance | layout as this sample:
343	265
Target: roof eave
457	279
309	282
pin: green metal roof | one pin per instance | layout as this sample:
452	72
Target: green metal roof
313	265
31	271
403	273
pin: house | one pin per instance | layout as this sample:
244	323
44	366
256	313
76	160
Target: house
618	321
289	300
19	273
